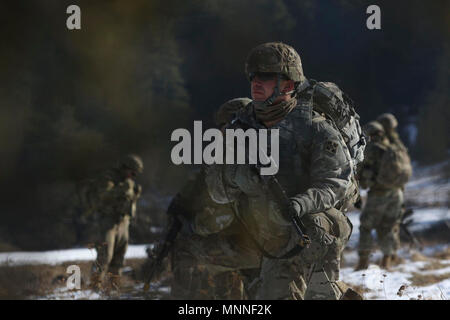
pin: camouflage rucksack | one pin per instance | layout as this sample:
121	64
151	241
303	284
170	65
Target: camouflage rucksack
330	101
395	167
86	194
89	194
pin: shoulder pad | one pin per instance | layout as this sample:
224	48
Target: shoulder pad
329	89
317	117
241	102
227	111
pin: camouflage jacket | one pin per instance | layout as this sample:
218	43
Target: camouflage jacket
392	167
395	139
115	196
315	170
373	155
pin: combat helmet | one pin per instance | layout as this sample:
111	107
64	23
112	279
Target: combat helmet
275	57
133	162
388	121
373	128
278	58
227	111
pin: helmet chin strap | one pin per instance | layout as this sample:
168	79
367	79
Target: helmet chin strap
276	93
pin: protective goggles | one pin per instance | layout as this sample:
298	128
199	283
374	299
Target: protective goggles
263	76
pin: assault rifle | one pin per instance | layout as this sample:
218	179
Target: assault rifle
162	251
404	224
279	196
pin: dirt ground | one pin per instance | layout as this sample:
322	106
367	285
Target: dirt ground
25	282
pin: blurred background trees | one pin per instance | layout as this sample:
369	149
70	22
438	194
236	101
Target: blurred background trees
72	102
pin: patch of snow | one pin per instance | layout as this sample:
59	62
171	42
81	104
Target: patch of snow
432	250
382	284
65	294
61	256
424	218
156	229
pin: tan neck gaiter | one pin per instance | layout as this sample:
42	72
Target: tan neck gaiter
275	112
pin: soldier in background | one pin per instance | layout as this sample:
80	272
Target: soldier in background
383	173
390	124
113	196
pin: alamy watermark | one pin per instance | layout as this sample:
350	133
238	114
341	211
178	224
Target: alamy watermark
73	22
236	146
74	280
373	22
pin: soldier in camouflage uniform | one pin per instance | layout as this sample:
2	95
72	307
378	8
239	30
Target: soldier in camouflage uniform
315	169
390	123
116	195
383	208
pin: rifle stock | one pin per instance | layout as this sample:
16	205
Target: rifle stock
404	226
163	251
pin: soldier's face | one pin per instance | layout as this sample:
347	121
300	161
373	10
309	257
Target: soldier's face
262	86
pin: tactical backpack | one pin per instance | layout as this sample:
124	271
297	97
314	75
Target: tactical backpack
331	102
395	167
87	200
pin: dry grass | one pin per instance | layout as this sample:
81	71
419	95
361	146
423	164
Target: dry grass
417	256
421	280
443	254
24	282
361	289
434	265
434	262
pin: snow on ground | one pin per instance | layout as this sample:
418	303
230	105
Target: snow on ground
428	188
429	185
382	284
377	283
60	256
64	293
385	285
157	291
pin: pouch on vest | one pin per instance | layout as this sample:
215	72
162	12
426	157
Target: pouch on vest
395	167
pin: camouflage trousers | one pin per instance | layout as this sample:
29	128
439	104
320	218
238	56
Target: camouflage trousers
213	267
313	273
382	212
111	249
